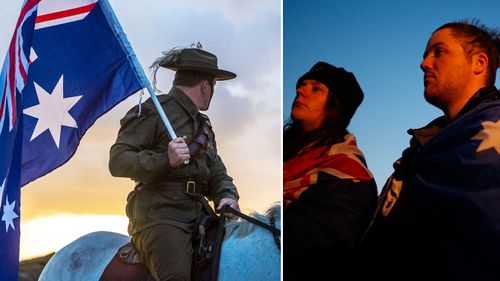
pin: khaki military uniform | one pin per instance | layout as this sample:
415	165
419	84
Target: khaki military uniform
158	216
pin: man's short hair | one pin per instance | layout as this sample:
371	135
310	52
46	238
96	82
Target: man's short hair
478	38
190	78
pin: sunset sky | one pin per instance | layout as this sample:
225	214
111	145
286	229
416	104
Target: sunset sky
81	196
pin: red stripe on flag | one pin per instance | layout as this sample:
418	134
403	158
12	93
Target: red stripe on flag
21	66
65	13
2	104
12	79
14	105
11	72
350	167
28	6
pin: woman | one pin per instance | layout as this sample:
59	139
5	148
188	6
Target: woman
328	191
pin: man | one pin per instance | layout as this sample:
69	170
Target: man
438	217
168	197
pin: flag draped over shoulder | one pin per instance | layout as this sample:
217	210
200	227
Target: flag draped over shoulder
68	63
457	187
342	160
451	174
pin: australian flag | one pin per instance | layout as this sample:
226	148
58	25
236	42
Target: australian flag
439	214
68	63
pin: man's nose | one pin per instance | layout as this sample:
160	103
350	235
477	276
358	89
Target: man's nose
425	64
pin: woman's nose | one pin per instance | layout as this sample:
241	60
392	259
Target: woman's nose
300	91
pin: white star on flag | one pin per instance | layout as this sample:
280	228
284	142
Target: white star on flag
489	136
52	112
8	214
33	55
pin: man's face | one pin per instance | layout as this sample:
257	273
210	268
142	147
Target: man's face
309	107
207	94
446	68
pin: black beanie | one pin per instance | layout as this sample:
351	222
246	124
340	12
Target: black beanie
340	82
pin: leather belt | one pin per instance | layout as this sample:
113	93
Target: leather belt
189	186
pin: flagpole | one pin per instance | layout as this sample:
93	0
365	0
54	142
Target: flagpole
163	116
139	71
152	93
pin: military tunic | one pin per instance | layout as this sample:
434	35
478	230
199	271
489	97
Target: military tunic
141	153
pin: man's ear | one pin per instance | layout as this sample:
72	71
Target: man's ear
205	85
479	63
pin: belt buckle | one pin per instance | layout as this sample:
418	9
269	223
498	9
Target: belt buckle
191	186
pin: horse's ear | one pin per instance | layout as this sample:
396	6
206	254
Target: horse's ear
274	210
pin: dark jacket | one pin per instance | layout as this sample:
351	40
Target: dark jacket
438	217
322	228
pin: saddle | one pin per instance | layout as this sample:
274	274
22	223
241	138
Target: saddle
126	264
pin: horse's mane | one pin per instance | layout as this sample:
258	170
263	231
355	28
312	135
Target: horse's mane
242	227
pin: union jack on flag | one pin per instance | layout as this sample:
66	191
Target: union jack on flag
68	63
14	71
342	160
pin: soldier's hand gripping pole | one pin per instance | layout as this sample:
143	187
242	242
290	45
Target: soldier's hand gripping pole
163	116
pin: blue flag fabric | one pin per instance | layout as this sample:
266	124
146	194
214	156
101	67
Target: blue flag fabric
12	80
457	187
439	214
81	70
69	62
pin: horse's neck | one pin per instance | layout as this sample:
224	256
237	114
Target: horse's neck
243	228
253	256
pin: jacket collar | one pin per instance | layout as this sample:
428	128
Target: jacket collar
425	134
184	101
486	93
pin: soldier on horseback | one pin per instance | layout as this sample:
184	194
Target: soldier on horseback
173	176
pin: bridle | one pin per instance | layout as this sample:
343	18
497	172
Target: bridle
271	226
220	234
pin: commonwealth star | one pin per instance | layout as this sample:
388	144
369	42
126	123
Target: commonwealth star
52	111
8	214
489	136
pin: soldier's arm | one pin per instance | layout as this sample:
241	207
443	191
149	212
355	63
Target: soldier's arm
221	184
134	154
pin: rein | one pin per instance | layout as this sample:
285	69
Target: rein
220	235
272	228
221	232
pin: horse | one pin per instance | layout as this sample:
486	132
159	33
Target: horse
248	252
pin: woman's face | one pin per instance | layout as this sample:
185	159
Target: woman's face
309	106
